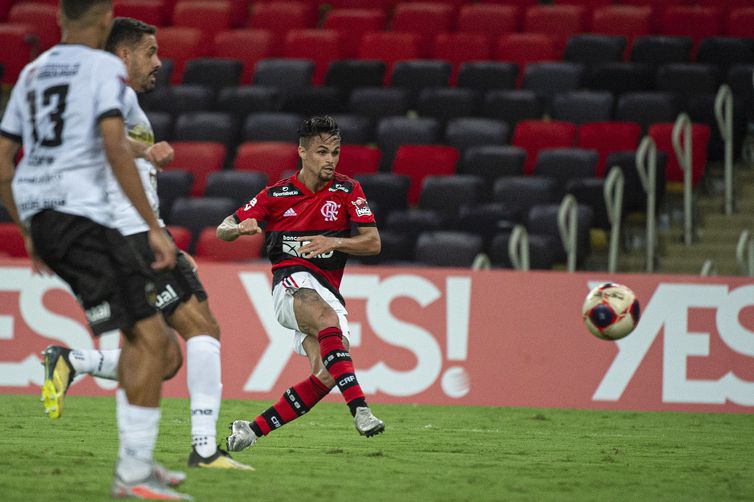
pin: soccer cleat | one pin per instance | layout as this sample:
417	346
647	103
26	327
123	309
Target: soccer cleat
150	488
367	424
220	460
58	376
168	477
241	436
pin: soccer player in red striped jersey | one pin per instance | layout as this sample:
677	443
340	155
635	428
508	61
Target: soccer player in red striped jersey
308	220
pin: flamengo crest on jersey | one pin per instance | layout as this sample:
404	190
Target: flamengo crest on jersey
54	110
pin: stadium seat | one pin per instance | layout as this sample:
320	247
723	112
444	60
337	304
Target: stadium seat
171	185
692	21
535	135
608	137
543	220
582	106
200	158
144	10
284	74
19	43
565	164
11	241
378	102
521	193
541	251
657	50
354	129
410	223
419	74
634	196
426	20
661	133
309	101
279	17
41	17
525	48
457	48
491	162
358	159
486	220
179	98
247	46
349	74
741	23
210	17
459	249
162	125
351	24
241	186
392	132
559	22
245	248
620	78
485	76
686	80
198	213
319	46
591	192
388	192
419	161
269	157
492	20
647	108
217	127
272	127
181	237
179	44
591	49
467	132
627	21
247	99
512	106
447	103
383	5
165	74
547	79
214	73
389	47
740	82
725	52
447	194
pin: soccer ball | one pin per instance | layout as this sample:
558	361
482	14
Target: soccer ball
610	311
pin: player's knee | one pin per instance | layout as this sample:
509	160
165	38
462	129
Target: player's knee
324	376
174	358
327	318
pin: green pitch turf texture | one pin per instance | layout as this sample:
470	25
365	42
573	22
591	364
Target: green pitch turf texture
427	453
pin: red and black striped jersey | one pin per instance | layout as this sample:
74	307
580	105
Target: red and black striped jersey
290	210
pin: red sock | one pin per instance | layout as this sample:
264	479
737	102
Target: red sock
292	404
338	362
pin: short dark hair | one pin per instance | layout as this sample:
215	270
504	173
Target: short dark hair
127	30
314	126
75	9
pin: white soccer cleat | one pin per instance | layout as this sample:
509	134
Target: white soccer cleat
241	436
168	477
150	488
366	423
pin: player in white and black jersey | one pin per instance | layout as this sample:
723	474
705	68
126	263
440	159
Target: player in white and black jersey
180	295
67	111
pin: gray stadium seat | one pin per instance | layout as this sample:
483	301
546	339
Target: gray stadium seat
448	249
466	132
581	107
393	132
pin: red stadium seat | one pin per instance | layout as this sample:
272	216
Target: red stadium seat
559	22
270	157
588	5
662	135
11	241
200	158
691	21
521	3
459	47
5	9
352	23
535	135
489	19
147	11
19	43
741	22
358	159
320	46
608	137
210	17
279	17
425	19
179	44
245	248
383	5
389	48
181	236
623	20
420	161
247	46
42	17
524	48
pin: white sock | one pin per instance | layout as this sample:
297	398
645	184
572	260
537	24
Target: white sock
121	405
99	363
204	379
138	427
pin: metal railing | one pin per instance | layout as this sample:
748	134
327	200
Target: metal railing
708	268
646	166
724	116
518	248
568	225
613	192
683	144
745	253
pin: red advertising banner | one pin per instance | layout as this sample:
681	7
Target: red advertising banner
443	336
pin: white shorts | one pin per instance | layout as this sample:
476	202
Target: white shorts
282	299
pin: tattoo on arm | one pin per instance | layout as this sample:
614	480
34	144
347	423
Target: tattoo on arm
228	229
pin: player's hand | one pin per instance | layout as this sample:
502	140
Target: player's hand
160	154
316	245
163	249
37	265
249	227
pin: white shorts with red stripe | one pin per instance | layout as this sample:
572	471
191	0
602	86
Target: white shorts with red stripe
282	298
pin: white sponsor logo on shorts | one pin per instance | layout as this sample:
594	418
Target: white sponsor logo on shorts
166	297
98	313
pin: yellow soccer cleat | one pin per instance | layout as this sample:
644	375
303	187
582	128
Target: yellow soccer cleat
220	460
58	376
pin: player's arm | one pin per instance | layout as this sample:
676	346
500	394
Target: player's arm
230	229
121	160
160	154
366	243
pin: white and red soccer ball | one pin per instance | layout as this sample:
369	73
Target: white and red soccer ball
611	311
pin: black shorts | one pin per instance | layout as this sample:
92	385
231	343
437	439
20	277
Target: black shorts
173	286
111	282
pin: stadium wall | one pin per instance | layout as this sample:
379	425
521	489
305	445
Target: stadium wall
444	336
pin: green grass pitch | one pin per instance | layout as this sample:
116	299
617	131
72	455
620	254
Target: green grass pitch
428	453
